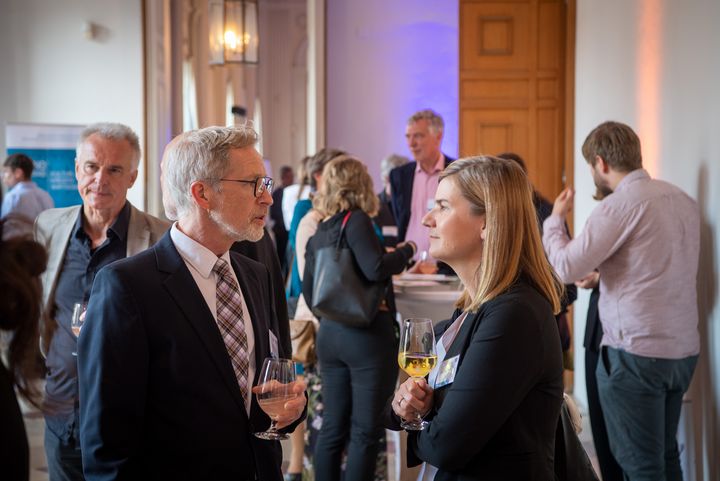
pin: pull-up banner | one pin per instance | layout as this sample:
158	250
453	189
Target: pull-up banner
52	148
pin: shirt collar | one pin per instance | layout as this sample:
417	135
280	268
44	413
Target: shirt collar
118	229
438	167
24	184
637	174
195	254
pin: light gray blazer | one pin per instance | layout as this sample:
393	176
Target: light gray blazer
54	227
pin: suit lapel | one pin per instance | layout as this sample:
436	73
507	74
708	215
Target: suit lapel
61	230
459	346
138	234
182	288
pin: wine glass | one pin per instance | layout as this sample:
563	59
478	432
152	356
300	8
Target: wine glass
425	264
276	382
417	358
78	319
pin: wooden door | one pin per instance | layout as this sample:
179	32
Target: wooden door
516	84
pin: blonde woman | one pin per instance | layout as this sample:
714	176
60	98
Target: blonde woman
494	400
358	366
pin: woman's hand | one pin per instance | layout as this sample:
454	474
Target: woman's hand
413	397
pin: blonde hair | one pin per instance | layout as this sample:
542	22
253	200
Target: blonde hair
500	190
346	185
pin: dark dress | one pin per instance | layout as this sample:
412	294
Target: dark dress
14	457
358	366
496	420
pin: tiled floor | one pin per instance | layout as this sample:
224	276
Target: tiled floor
38	467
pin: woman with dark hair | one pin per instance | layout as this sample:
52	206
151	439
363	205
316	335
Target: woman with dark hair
493	400
21	262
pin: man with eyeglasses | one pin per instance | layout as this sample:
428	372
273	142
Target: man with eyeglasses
176	336
80	240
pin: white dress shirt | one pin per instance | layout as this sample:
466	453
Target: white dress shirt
200	261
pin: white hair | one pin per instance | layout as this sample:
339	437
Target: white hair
201	155
112	131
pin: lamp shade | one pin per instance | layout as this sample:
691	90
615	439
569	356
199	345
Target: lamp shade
233	31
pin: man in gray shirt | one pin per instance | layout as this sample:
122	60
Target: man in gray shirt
644	239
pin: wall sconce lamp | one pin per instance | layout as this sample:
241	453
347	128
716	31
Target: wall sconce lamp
233	31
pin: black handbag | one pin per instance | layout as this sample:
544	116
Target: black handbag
341	292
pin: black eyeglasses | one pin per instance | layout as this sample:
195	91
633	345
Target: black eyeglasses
261	184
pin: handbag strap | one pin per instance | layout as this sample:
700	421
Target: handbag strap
342	229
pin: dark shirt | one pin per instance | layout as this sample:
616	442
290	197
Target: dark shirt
79	267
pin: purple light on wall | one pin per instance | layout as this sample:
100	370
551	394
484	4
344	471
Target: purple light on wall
385	61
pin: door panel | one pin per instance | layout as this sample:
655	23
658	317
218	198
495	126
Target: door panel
513	84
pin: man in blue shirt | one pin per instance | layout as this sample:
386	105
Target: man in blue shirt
24	201
80	241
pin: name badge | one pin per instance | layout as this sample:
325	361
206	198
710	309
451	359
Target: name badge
273	345
446	372
390	231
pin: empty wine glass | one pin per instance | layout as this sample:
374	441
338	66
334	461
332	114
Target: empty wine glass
276	383
417	358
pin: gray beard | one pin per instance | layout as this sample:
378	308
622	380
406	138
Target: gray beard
248	233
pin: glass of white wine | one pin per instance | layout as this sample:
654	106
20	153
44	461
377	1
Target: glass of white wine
78	319
417	358
276	382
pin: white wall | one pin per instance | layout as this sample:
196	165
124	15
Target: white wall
386	60
52	74
653	64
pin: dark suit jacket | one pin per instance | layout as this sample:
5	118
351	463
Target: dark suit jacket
159	398
263	251
593	328
497	420
401	185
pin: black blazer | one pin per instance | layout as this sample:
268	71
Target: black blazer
497	420
263	251
374	263
593	327
158	395
401	185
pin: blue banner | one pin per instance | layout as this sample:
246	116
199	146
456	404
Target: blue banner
52	148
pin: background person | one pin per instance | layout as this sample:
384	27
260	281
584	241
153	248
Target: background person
313	169
80	240
413	185
543	209
24	200
276	214
644	240
494	412
21	263
385	219
358	366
